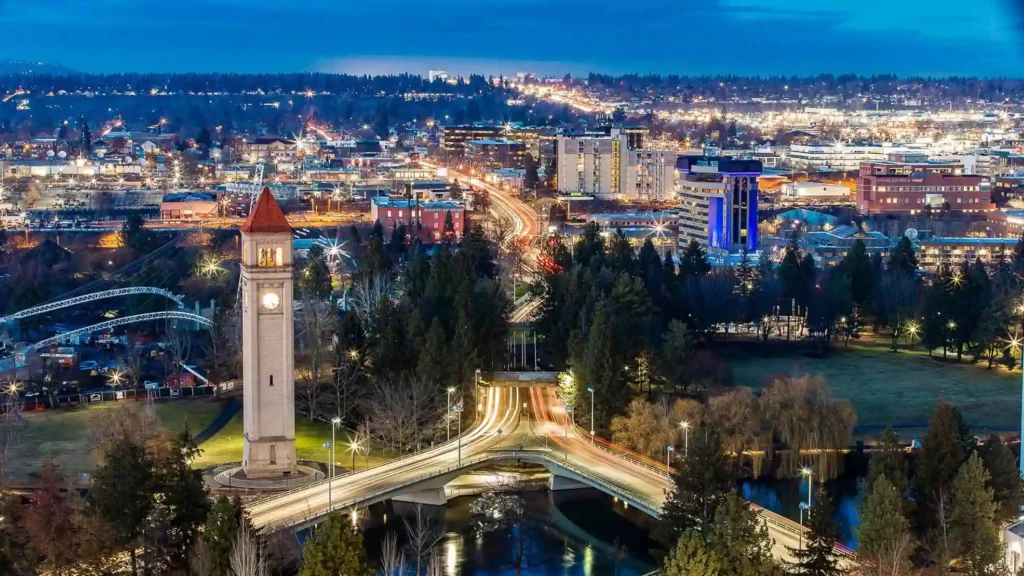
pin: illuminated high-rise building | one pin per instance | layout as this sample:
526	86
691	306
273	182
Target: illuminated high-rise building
718	203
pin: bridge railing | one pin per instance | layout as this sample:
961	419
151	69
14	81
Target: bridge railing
354	502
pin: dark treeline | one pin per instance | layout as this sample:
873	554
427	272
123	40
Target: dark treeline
289	83
845	86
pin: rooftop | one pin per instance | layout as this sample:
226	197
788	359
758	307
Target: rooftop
266	216
190	197
388	202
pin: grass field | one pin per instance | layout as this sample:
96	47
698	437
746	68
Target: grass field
64	435
887	388
226	445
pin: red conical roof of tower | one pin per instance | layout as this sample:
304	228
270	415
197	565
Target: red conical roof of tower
266	216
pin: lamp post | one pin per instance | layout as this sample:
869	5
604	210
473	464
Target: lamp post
476	392
448	426
353	447
335	422
458	410
668	457
330	481
685	425
912	331
591	390
807	472
803	506
568	412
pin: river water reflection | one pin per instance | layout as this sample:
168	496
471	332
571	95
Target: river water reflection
573	533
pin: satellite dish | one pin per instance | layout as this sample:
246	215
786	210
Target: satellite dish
911	233
128	160
49	153
62	154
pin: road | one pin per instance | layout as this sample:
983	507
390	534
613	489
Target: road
633	472
500	416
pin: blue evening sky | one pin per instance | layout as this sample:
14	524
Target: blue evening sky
929	37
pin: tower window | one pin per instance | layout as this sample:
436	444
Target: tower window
271	379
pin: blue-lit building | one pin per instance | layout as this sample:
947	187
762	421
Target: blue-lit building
718	203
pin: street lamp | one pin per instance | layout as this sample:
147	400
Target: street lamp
353	447
458	410
807	472
668	457
591	390
329	446
685	425
335	422
448	426
912	330
568	412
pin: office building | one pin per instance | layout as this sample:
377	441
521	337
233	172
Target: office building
496	153
890	187
718	203
538	142
936	252
815	192
434	75
839	156
607	168
428	215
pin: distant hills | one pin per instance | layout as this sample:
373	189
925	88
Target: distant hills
26	67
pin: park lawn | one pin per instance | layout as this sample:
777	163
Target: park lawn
897	388
226	445
65	435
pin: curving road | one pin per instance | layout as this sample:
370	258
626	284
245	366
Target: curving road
636	473
499	417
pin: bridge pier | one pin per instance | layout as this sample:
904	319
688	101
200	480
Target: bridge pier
557	483
429	497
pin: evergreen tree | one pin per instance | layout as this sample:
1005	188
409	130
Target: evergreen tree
374	260
973	525
889	460
448	232
336	549
315	281
141	240
455	190
1007	486
621	252
86	136
433	359
478	251
856	264
789	273
694	261
598	369
381	123
883	537
902	258
122	493
417	274
182	498
690	556
531	179
700	484
740	539
222	524
675	351
942	452
817	556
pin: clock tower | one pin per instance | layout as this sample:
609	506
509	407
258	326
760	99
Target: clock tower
268	361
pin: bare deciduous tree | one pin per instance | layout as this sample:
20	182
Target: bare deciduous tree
424	533
402	412
10	422
132	364
316	325
392	558
367	295
179	346
247	557
345	388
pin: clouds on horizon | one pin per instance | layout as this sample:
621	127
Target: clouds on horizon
909	37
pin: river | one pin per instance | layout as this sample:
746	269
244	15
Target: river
571	533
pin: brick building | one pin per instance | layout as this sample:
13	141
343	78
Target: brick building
890	187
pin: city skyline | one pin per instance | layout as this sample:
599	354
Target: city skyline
722	36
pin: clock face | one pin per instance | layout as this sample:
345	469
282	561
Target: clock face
271	301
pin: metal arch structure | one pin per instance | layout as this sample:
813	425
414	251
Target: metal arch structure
92	297
168	315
